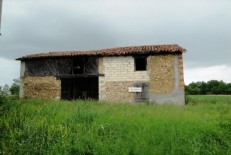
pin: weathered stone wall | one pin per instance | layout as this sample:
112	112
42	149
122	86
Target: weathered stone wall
181	72
162	73
100	65
41	87
118	91
119	74
166	79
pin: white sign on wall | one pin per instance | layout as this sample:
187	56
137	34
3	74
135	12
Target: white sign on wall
134	89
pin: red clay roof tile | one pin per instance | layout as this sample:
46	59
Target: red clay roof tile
132	50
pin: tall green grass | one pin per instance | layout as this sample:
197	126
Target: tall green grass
90	127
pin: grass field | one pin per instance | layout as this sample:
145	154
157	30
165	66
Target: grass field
203	126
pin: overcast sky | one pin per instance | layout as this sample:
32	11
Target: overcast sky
200	26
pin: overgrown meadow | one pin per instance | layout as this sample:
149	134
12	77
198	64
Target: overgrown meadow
203	126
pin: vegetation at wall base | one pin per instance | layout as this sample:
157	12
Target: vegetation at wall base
203	126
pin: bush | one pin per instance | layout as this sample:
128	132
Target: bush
3	99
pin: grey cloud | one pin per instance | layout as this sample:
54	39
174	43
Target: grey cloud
202	27
53	31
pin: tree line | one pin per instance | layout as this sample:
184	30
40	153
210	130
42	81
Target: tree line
211	87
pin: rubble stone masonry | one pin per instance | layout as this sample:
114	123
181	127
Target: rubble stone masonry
118	91
181	72
162	73
41	87
166	79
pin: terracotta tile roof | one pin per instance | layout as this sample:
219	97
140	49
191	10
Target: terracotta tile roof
132	50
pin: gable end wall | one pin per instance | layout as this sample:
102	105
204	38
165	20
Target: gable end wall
166	79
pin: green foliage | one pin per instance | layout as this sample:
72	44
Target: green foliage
89	127
3	99
14	89
210	87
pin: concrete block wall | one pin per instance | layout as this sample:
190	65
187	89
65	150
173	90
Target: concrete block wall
122	68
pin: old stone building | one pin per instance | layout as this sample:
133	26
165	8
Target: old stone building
152	73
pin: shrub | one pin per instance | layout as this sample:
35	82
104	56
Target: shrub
3	99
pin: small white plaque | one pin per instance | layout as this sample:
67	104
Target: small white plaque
134	89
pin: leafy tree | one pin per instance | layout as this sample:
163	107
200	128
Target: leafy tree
213	86
228	89
195	91
210	87
194	88
203	88
222	87
14	89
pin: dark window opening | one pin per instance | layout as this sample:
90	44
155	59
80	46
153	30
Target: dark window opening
78	65
140	63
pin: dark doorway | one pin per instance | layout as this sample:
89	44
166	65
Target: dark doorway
79	88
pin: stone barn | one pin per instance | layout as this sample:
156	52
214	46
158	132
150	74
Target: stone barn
152	73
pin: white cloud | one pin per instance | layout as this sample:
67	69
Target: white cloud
9	70
221	72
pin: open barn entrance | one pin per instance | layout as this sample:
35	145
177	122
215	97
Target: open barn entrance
79	88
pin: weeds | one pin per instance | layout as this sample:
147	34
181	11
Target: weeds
90	127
